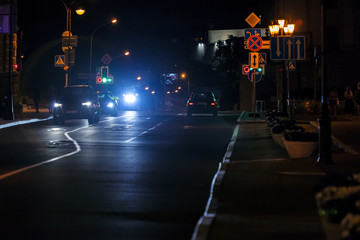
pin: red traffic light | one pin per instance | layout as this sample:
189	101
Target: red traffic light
98	80
246	69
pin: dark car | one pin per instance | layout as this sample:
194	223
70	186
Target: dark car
76	102
109	104
202	102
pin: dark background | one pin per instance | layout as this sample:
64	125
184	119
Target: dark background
159	34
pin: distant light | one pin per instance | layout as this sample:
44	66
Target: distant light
110	105
176	91
138	78
146	88
127	53
152	92
130	98
80	11
168	92
179	88
86	104
114	20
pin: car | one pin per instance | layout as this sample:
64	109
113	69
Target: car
76	102
108	103
202	102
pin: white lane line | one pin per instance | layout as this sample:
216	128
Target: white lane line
150	129
2	126
78	149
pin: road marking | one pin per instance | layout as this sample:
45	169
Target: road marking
78	149
23	122
150	129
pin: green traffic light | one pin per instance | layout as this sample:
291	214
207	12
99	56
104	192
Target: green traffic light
260	69
104	79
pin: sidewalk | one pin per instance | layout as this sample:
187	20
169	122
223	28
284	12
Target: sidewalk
27	115
261	193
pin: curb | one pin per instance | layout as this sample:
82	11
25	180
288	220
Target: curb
337	142
204	224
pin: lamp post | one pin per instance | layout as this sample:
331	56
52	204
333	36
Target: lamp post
284	29
324	119
68	34
183	76
113	21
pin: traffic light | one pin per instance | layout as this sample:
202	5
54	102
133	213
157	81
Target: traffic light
104	77
245	69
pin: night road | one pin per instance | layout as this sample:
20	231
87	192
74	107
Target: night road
136	176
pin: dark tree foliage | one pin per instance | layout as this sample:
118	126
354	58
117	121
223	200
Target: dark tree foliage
229	56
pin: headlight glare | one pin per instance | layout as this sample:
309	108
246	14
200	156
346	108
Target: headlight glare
88	104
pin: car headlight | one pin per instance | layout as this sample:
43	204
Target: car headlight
88	104
56	105
129	98
110	105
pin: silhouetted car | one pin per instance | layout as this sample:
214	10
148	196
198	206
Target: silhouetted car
76	102
202	102
108	103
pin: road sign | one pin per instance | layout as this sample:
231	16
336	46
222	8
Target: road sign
262	58
252	19
60	61
291	65
254	59
254	43
287	48
254	74
106	59
248	32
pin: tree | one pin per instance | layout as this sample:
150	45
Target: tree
229	55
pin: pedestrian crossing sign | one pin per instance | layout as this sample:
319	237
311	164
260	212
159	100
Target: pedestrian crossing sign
292	66
60	61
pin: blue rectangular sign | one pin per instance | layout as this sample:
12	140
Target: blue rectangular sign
248	32
287	48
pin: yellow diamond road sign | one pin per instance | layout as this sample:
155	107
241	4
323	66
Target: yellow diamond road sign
252	19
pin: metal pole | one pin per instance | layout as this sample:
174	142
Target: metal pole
9	105
91	46
288	89
188	85
254	94
324	119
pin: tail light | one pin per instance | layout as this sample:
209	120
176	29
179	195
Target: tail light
191	104
213	104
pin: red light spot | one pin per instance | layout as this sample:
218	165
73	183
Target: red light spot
212	104
98	80
246	69
191	103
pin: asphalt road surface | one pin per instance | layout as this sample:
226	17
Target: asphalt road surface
135	176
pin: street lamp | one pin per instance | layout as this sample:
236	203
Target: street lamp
282	28
113	21
183	76
68	34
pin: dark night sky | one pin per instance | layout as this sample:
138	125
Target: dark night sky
157	33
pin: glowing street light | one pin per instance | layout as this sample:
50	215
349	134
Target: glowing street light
80	11
282	28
